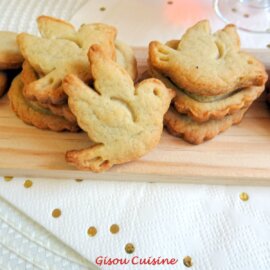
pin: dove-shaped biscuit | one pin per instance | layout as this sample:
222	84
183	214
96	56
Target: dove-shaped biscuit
202	111
123	121
54	28
88	34
181	125
34	115
62	54
28	75
207	64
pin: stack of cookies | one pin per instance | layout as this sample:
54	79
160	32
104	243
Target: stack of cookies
215	82
84	79
37	96
10	59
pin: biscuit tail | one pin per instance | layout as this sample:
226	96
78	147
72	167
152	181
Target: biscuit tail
71	156
42	19
88	159
229	37
160	55
201	27
50	27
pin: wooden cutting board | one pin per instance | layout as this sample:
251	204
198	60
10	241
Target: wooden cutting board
241	155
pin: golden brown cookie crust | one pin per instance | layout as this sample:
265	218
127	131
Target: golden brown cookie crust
36	116
54	59
61	51
204	111
50	27
28	75
183	126
124	122
125	57
207	64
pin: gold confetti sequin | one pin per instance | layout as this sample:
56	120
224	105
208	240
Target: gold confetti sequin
78	180
28	183
244	196
129	248
246	15
102	9
114	229
268	46
56	213
187	261
92	231
234	10
170	2
8	178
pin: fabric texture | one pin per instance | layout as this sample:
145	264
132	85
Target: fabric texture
24	244
208	223
20	15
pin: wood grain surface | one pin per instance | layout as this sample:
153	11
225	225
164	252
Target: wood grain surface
241	155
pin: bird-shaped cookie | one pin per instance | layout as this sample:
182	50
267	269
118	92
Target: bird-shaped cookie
54	28
207	64
54	56
124	121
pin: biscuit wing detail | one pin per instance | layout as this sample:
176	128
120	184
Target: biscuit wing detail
123	121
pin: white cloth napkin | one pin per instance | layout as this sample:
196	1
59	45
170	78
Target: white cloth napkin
20	15
24	244
208	223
